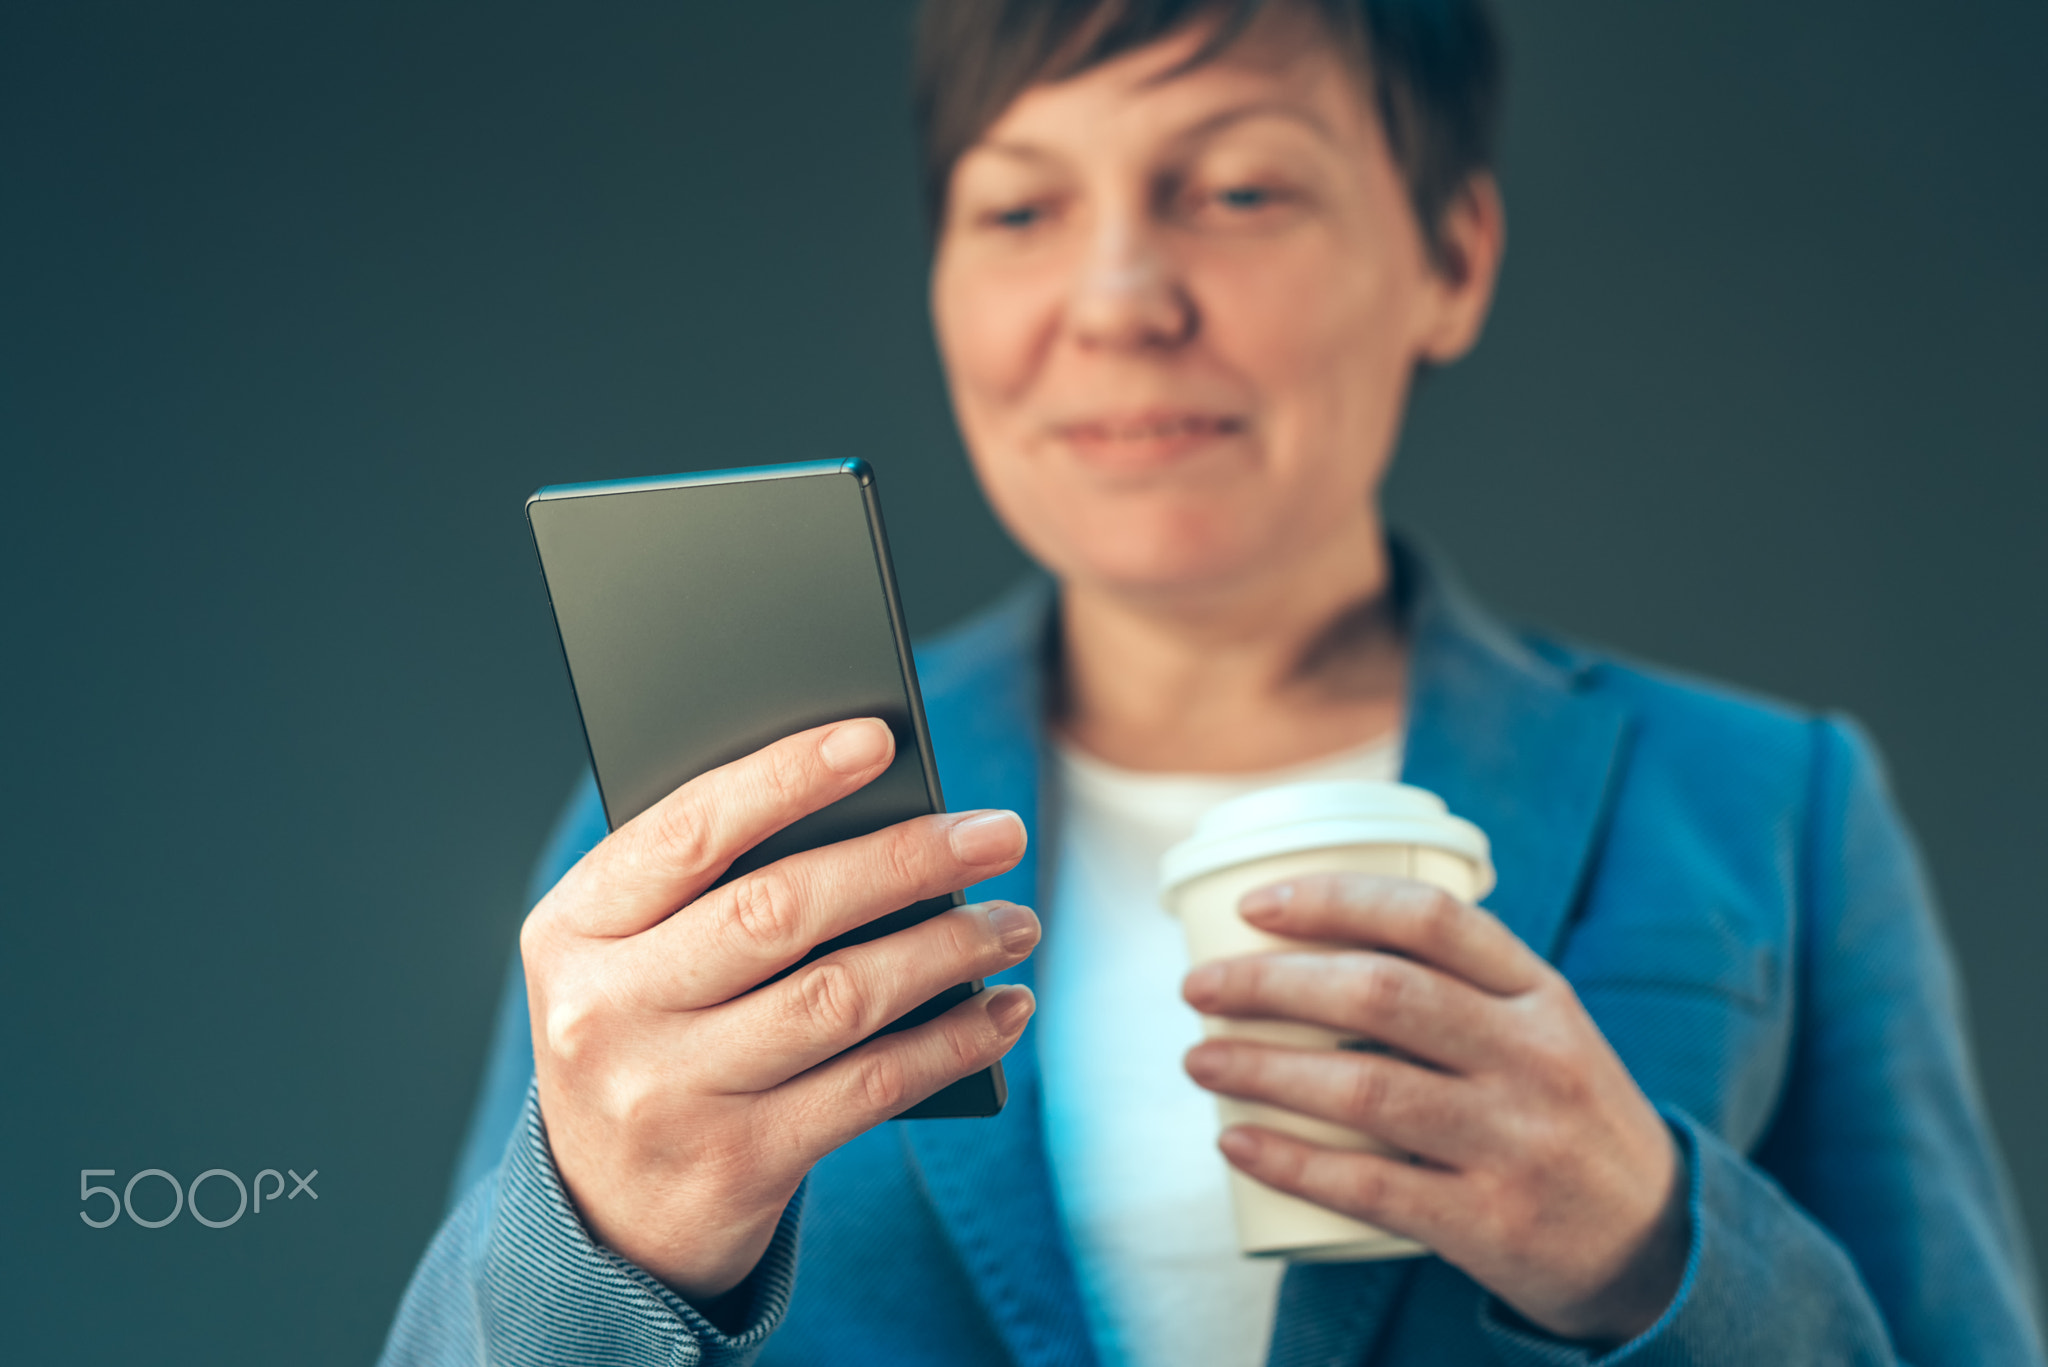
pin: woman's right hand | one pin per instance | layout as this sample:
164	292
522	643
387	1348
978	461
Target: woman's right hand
684	1109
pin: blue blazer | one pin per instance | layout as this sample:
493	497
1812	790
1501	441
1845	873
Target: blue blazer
1725	882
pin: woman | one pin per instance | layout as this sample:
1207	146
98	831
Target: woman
1694	1090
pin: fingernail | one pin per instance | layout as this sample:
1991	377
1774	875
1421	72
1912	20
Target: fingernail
1263	903
1239	1145
1008	1007
987	837
1201	983
1205	1061
1015	927
854	746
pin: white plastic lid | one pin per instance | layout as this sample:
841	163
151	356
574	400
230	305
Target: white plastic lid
1318	816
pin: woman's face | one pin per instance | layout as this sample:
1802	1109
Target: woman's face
1179	315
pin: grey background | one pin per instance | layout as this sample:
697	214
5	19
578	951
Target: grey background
297	304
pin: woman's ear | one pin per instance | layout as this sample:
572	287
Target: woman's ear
1470	239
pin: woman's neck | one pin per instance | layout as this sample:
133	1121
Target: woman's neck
1304	661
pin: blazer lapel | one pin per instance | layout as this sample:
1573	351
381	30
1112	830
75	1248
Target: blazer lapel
1510	742
1513	743
1505	736
988	1180
1331	1314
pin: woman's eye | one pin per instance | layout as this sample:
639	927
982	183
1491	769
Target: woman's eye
1242	205
1016	217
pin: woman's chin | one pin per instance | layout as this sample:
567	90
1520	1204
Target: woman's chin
1158	542
1156	567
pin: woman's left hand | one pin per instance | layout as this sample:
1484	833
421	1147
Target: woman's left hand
1545	1173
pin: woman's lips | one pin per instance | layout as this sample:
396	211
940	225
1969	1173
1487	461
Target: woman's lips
1147	439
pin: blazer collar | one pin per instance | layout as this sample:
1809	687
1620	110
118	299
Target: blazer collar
1510	738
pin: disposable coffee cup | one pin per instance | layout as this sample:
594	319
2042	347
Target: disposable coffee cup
1268	837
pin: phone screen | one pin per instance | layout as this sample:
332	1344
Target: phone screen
705	616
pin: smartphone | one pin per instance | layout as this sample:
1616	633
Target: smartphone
705	616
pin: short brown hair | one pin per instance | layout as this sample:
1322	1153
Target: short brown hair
1434	66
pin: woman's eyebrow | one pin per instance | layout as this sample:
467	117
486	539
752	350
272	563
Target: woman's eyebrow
1016	151
1206	127
1215	123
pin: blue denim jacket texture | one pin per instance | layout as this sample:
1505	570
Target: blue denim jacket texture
1724	880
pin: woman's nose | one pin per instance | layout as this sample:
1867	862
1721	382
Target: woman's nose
1128	297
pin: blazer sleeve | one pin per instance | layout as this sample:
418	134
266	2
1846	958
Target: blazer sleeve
512	1276
1874	1223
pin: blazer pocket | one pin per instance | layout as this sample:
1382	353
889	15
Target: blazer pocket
1710	951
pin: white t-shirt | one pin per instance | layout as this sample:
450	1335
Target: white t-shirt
1131	1138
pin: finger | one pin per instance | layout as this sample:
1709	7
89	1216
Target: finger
678	847
1381	997
740	935
824	1008
1396	1103
1417	919
1395	1195
888	1075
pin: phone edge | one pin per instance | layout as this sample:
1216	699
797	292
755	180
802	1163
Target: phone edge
540	562
967	1099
